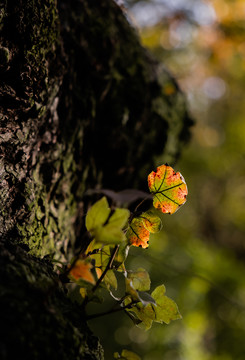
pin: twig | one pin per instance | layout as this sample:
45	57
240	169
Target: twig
142	202
108	312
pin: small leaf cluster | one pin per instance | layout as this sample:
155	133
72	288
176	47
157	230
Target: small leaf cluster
112	232
105	258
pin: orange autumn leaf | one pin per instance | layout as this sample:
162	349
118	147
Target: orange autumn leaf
137	234
81	270
168	188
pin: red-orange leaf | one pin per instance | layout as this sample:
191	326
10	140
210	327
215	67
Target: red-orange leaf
81	270
168	188
137	234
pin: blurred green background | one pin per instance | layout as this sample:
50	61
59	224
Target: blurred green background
200	253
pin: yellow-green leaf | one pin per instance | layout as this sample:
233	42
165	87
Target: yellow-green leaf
97	215
109	234
146	314
140	279
151	221
166	309
119	218
168	188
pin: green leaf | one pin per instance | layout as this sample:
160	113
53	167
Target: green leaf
168	188
146	314
126	355
157	307
97	215
166	309
109	234
143	307
140	279
112	233
137	296
119	218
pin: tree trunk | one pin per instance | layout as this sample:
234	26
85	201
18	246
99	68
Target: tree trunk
83	106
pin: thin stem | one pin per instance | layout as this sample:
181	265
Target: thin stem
108	312
142	202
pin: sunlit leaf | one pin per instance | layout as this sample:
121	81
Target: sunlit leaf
97	215
135	295
82	270
155	307
126	355
151	222
140	279
112	232
166	309
119	217
109	234
137	234
145	313
143	306
168	188
105	229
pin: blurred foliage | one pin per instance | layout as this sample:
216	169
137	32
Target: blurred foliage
200	253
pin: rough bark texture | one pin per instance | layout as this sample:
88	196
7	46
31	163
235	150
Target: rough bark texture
82	106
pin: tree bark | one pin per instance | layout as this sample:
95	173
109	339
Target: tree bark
83	105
